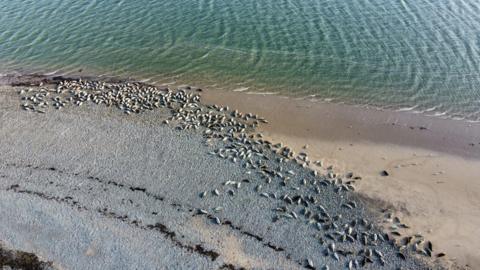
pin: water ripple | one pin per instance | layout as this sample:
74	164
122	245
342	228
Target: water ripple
419	54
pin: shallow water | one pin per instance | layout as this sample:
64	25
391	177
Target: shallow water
419	55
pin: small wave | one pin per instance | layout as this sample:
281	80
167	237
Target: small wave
146	80
473	121
241	89
406	109
169	83
437	114
262	93
51	73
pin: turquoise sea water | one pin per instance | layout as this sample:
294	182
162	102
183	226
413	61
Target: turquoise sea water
417	54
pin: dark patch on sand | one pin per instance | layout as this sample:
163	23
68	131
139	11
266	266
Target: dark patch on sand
21	260
230	267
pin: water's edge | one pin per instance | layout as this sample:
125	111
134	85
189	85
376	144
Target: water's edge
35	78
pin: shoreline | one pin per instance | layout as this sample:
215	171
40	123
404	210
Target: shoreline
36	75
367	150
351	122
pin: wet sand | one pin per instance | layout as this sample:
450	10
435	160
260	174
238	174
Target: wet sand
433	164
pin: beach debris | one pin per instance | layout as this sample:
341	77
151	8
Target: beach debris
384	173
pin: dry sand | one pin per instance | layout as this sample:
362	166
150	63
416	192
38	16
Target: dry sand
434	164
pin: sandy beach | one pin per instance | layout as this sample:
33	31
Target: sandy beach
240	134
94	187
433	163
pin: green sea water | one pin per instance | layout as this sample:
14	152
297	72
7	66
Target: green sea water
417	55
